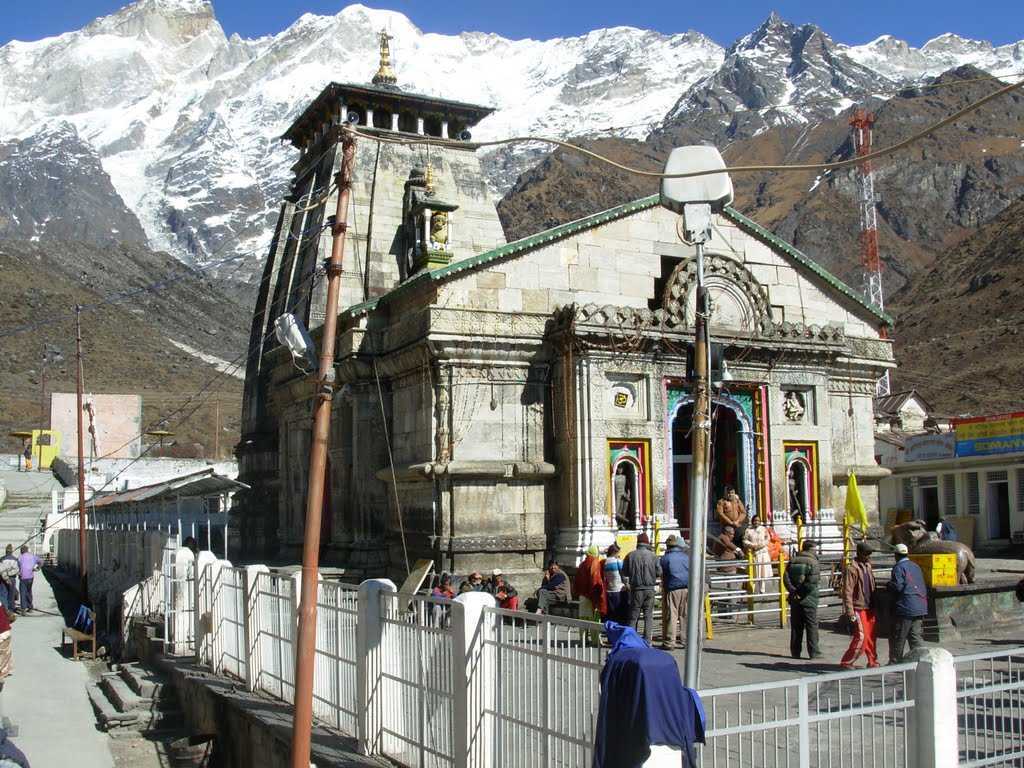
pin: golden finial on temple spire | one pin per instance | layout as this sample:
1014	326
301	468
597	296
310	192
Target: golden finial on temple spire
385	74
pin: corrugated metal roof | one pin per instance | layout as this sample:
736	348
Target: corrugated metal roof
206	482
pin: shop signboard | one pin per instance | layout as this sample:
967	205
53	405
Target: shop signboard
930	447
989	435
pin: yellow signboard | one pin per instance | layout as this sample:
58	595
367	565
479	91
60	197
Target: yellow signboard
626	542
45	447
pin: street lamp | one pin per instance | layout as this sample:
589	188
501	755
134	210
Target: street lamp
697	197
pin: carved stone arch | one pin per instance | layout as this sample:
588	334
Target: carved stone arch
731	286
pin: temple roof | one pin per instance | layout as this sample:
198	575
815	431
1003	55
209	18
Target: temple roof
321	109
568	229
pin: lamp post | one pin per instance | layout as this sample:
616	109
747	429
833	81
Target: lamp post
697	197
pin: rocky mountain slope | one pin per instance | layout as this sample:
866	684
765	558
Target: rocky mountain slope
185	120
962	322
930	197
53	188
164	344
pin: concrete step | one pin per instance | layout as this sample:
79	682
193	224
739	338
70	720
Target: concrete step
121	696
106	713
144	683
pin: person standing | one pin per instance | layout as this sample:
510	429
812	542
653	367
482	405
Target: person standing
756	539
801	582
641	571
858	590
616	595
911	605
28	564
9	570
588	585
730	511
675	585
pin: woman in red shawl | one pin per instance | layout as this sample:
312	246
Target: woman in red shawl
589	586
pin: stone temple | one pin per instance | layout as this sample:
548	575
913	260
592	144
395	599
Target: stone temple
500	402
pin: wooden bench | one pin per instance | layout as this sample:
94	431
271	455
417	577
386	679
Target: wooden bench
76	636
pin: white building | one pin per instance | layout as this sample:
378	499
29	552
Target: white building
974	472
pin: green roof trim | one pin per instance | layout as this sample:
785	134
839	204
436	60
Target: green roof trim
800	257
509	249
548	236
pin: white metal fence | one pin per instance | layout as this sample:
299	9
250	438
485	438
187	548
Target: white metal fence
990	708
416	680
427	682
546	674
228	629
335	694
857	718
276	609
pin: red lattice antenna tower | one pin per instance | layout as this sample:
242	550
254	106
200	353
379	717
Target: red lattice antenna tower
861	124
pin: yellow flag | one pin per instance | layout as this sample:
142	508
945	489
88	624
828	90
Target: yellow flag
855	512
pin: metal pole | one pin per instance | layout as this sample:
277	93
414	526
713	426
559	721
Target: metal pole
83	552
305	648
701	434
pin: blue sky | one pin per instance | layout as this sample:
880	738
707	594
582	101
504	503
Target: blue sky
851	22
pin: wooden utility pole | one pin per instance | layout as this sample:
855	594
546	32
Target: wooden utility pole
83	551
305	648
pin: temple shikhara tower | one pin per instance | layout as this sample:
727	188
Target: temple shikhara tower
534	394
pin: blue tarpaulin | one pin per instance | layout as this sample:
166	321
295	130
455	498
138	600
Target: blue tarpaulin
643	702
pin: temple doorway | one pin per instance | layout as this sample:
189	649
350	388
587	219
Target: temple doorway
727	458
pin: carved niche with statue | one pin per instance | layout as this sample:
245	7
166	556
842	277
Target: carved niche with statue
426	223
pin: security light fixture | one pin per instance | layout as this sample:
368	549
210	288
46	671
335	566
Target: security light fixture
293	334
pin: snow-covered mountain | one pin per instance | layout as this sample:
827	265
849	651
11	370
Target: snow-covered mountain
782	73
186	120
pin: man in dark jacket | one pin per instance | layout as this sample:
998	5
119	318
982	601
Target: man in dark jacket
801	582
640	572
675	585
910	607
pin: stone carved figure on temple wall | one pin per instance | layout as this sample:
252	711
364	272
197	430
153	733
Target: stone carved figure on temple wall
439	229
623	498
793	407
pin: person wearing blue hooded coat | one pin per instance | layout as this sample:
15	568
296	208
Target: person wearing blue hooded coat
643	702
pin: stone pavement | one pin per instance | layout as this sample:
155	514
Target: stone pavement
45	696
739	655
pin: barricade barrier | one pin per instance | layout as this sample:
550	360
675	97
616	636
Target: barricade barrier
430	682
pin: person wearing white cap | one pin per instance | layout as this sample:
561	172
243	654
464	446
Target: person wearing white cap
907	587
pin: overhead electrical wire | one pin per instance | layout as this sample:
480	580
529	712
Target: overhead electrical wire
831	100
166	417
797	167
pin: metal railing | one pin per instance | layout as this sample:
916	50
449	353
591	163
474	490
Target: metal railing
990	708
857	719
275	629
431	682
229	652
416	692
335	699
545	672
